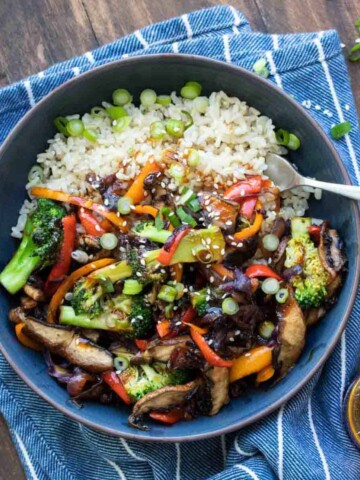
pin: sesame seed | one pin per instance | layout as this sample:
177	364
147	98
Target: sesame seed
229	222
185	290
210	341
163	270
208	298
240	244
224	278
142	261
138	274
163	184
216	247
208	266
98	228
234	244
106	201
140	317
232	339
269	261
237	332
178	324
212	279
125	223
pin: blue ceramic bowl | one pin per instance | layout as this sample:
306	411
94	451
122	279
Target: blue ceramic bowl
165	73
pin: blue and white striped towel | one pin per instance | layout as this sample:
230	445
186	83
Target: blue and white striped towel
305	439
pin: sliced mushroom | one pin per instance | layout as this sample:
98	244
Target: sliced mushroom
331	251
65	342
219	378
27	302
314	314
164	398
291	336
162	351
334	286
35	293
89	243
279	257
220	212
16	315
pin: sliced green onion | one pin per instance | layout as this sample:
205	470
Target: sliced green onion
169	311
125	205
90	134
201	104
167	293
186	196
353	56
189	119
175	128
266	330
179	287
36	173
121	124
282	137
229	306
121	97
191	90
132	287
270	286
294	142
148	97
121	363
157	130
60	123
282	295
116	112
177	171
338	131
193	158
260	67
271	242
98	112
203	254
109	241
194	205
163	100
185	217
159	222
75	127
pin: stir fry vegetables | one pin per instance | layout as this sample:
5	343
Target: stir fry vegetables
168	292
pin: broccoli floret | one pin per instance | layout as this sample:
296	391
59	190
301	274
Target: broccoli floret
39	246
86	298
141	317
142	379
310	287
143	273
200	301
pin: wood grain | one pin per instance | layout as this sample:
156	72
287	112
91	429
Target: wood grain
37	33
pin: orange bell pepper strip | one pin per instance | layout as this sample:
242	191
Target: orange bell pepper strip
196	328
62	265
238	191
210	356
163	328
90	224
222	271
145	210
169	418
114	382
24	340
260	270
251	362
176	272
165	256
69	282
59	196
189	315
265	374
254	228
141	344
136	192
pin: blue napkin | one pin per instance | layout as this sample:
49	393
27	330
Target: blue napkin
306	438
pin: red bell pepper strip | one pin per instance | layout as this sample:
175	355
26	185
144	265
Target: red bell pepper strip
314	231
90	224
114	382
210	356
164	328
62	265
189	315
259	270
169	418
166	256
141	344
247	207
250	186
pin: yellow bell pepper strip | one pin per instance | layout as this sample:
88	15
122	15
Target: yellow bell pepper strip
254	228
136	192
59	196
210	356
69	282
26	341
251	362
145	210
265	374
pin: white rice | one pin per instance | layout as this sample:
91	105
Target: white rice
231	137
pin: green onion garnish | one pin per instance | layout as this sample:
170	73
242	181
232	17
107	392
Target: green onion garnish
270	242
109	241
191	90
203	254
167	293
353	55
169	215
193	158
60	123
266	330
124	205
175	128
168	311
36	173
121	124
121	97
75	127
148	97
159	222
260	67
177	171
106	285
201	104
194	205
132	287
157	130
186	197
121	363
116	112
289	140
98	112
229	306
282	295
189	119
163	100
338	131
185	217
294	142
90	134
270	286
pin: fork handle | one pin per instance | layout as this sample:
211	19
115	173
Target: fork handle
345	190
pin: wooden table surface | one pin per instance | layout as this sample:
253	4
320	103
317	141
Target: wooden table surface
37	33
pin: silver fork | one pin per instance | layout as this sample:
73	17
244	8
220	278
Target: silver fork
284	175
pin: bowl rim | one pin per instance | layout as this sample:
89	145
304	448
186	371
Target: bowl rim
137	435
